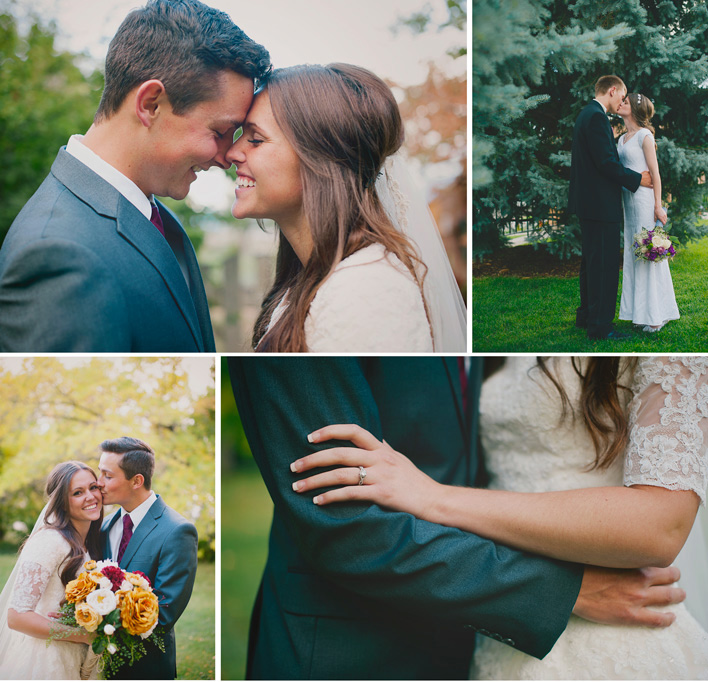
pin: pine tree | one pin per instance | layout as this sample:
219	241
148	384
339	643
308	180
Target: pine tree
534	73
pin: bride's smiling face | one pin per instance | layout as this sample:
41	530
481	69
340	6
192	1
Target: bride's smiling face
85	500
268	184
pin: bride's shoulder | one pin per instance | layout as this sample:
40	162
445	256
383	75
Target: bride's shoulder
670	370
365	276
369	303
45	542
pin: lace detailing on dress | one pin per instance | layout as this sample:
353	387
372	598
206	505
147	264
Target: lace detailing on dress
527	448
41	557
669	425
38	588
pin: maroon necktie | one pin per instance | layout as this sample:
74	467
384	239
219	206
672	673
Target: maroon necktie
127	534
156	220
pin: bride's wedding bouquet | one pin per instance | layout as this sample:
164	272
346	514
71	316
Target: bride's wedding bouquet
654	245
119	606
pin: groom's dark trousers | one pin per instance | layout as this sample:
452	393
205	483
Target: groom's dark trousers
595	196
351	591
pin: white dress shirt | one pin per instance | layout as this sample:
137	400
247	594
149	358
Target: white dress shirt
136	516
113	177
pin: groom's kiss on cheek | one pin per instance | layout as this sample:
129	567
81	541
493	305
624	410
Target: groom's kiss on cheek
116	488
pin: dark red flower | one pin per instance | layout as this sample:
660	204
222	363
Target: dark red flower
115	575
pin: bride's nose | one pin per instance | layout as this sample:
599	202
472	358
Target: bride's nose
236	153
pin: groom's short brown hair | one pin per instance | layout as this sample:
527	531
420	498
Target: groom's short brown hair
184	44
604	83
137	457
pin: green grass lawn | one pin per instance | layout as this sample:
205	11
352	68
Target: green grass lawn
516	315
195	630
245	521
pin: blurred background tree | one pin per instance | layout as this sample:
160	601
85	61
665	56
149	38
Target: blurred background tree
535	63
53	410
44	98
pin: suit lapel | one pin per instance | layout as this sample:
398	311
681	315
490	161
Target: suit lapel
105	530
138	231
143	531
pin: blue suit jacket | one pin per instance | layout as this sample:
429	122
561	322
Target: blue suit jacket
81	269
351	591
164	547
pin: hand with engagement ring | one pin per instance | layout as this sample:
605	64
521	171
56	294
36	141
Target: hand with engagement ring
371	471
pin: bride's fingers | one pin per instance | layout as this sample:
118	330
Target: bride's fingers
324	458
352	432
347	494
344	476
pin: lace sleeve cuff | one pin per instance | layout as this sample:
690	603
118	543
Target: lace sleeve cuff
669	425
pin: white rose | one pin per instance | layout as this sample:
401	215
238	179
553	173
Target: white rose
667	243
125	586
111	648
657	240
102	601
109	629
104	583
145	635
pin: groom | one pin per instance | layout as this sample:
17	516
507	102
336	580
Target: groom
93	262
146	535
351	591
595	196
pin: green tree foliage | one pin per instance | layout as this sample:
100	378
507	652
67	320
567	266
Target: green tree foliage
53	410
535	63
44	99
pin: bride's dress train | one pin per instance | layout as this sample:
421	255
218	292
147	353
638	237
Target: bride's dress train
527	449
38	588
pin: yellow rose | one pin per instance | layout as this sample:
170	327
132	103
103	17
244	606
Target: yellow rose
138	611
90	565
87	618
76	590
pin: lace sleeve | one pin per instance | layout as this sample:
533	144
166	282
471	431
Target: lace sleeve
668	419
41	557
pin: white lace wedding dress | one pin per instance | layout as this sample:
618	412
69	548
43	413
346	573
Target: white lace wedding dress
369	304
527	449
647	290
38	588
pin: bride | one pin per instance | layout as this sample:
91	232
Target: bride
65	536
647	290
359	269
575	431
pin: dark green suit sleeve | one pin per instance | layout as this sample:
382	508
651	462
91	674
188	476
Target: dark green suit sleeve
455	579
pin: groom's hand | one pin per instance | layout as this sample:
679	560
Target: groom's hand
646	180
621	596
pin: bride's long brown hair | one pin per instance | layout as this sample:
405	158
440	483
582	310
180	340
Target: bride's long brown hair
600	406
343	122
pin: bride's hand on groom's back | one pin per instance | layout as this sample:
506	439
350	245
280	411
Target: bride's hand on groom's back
624	596
372	471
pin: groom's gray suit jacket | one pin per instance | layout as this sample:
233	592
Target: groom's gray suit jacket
163	547
82	269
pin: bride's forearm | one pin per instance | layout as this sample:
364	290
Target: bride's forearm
41	627
614	527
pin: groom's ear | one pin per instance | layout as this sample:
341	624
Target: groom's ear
150	100
137	481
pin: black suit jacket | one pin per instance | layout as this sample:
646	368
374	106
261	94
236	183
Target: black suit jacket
596	174
351	591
